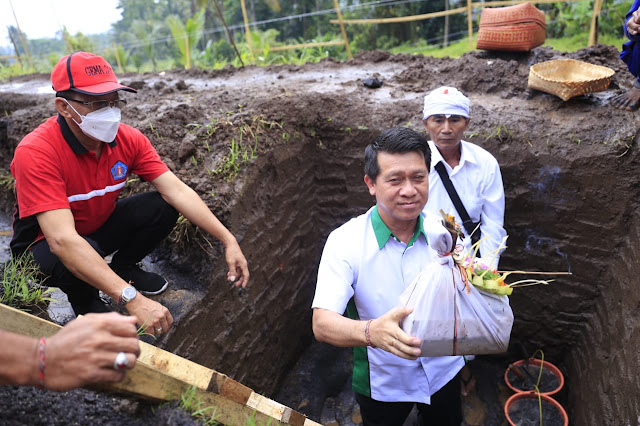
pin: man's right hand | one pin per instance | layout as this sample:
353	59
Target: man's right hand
152	316
84	351
633	24
385	333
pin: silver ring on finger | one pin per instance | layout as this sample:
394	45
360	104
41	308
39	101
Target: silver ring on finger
121	362
158	330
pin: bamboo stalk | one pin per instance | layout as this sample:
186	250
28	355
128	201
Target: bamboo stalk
344	32
469	10
24	43
15	47
247	31
188	51
401	18
231	40
593	30
115	51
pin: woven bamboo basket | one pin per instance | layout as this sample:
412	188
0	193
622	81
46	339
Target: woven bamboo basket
567	78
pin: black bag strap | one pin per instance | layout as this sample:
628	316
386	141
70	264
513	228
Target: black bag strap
468	224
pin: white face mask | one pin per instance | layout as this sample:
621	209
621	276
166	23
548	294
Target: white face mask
101	124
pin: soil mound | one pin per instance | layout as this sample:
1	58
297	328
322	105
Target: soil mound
276	153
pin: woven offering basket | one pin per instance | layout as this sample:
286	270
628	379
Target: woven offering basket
567	78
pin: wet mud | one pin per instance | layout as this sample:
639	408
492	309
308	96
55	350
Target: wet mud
277	153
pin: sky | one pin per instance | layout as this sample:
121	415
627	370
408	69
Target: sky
42	18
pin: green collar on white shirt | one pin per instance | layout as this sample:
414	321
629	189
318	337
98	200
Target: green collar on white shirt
382	231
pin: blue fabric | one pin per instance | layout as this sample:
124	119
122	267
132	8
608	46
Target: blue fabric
631	50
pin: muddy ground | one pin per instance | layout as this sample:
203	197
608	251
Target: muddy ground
276	153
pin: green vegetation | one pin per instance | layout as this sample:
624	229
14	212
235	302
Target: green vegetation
191	402
501	133
454	50
187	35
7	182
22	284
251	421
246	139
163	34
185	233
457	49
579	41
142	330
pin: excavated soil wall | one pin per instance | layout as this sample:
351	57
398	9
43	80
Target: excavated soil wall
571	183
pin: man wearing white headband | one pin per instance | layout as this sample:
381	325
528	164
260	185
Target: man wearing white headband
474	175
474	172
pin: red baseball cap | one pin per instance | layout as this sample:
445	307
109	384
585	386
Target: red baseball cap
85	73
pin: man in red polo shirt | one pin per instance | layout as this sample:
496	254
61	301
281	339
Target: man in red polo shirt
69	173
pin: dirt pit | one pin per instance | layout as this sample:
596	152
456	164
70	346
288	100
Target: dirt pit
277	153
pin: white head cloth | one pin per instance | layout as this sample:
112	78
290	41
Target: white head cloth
446	101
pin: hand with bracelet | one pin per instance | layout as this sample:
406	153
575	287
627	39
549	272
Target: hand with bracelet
93	348
385	333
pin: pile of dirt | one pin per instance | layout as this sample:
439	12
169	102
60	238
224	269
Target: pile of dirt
276	153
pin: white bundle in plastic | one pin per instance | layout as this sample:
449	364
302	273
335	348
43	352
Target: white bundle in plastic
451	316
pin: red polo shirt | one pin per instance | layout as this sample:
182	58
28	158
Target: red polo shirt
54	171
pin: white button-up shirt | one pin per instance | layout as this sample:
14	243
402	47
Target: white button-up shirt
478	181
363	270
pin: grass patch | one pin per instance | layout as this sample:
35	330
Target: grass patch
7	183
192	402
501	133
185	233
246	139
454	50
580	41
22	284
459	48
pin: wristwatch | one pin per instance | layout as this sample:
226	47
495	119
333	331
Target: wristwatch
127	295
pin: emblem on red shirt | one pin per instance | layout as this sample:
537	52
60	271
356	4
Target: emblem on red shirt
119	170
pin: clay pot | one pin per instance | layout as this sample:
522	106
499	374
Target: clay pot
535	362
548	403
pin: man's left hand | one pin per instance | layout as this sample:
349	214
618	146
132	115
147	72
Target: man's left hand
238	270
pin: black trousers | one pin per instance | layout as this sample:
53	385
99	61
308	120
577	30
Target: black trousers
445	409
137	225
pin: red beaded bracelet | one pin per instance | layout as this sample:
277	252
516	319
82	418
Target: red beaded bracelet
41	346
367	336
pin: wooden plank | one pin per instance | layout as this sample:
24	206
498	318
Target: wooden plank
163	376
401	18
147	383
20	322
265	405
304	45
177	367
441	13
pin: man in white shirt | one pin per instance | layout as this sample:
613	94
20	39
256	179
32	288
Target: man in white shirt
366	264
474	173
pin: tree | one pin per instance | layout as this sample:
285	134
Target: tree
146	32
186	35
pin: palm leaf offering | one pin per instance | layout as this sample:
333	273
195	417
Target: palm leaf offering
476	271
